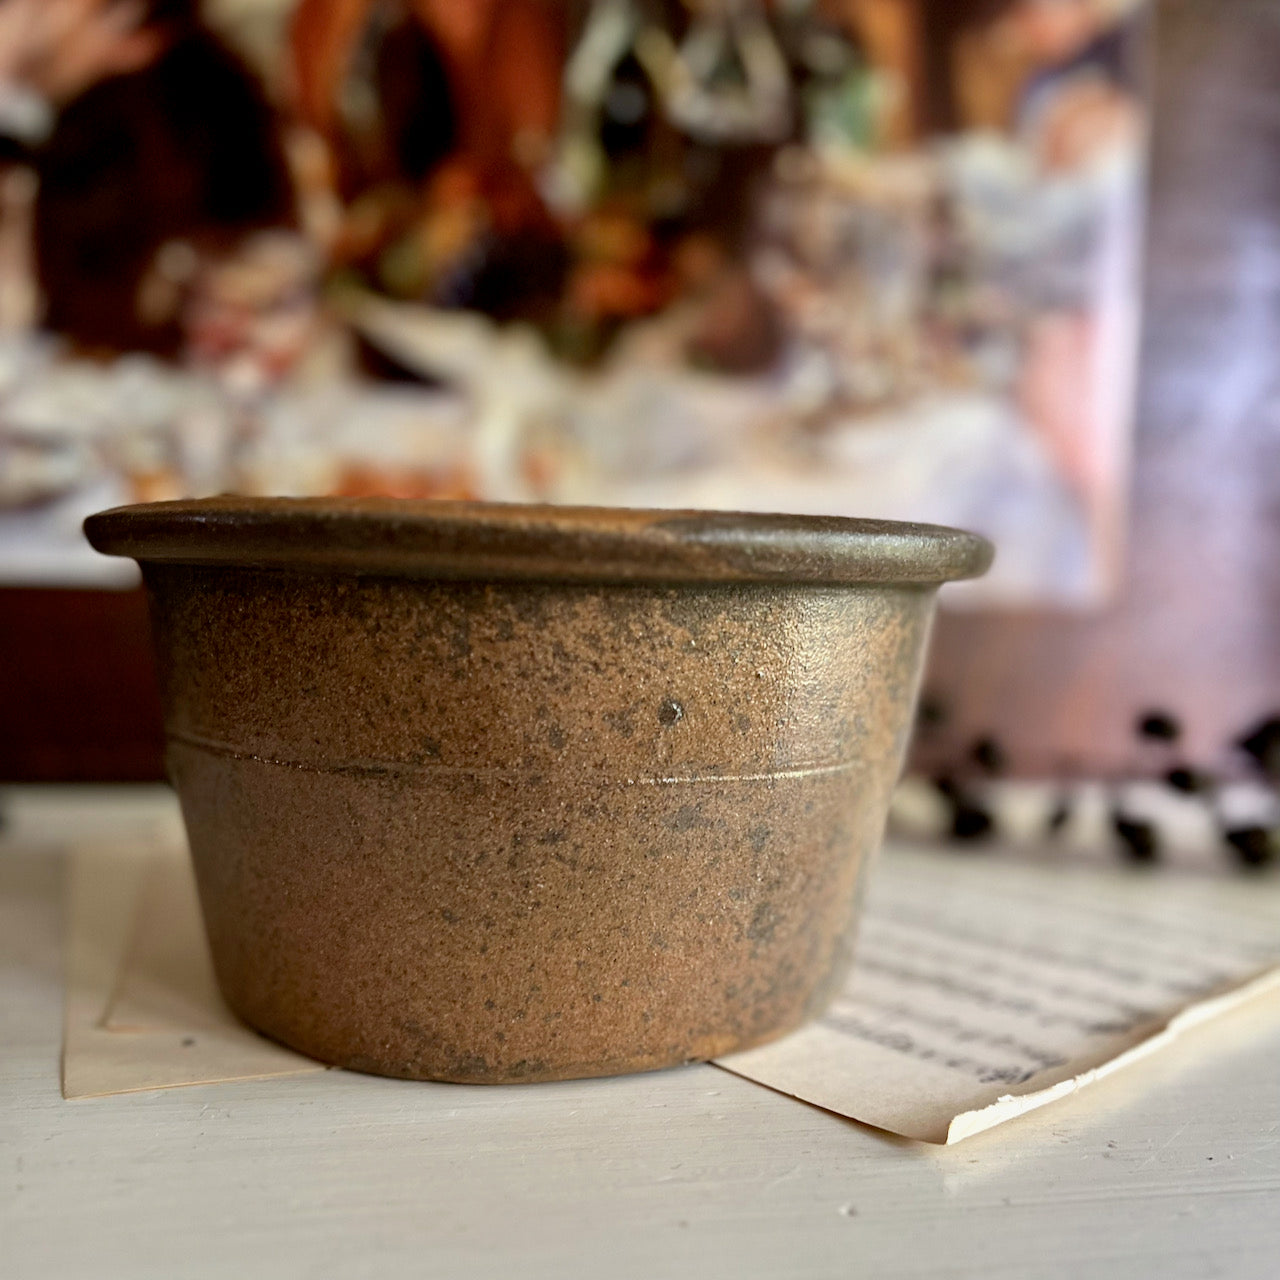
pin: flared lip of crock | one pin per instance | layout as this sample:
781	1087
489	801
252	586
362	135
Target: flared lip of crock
494	541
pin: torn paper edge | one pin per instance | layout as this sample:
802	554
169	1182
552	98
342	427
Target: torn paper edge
1009	1107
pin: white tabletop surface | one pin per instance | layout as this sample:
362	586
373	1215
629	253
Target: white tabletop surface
1169	1169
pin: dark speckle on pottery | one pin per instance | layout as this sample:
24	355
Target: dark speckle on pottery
670	712
494	793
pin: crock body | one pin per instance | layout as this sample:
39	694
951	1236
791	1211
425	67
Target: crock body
521	830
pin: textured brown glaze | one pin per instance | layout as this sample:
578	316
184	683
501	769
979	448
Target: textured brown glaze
496	793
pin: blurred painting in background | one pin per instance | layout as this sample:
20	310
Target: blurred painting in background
863	257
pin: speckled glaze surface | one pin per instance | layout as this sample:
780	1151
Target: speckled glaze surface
488	793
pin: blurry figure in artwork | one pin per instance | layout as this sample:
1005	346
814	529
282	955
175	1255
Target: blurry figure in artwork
1026	67
155	151
1073	99
250	317
435	116
1078	101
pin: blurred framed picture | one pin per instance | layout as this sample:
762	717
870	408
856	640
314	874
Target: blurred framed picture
863	257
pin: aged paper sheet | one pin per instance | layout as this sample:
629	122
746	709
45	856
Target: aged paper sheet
133	929
984	986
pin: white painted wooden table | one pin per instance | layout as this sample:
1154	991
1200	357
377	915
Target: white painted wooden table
1171	1169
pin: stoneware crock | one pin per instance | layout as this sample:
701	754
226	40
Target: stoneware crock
496	793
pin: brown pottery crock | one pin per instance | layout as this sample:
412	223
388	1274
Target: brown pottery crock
494	793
